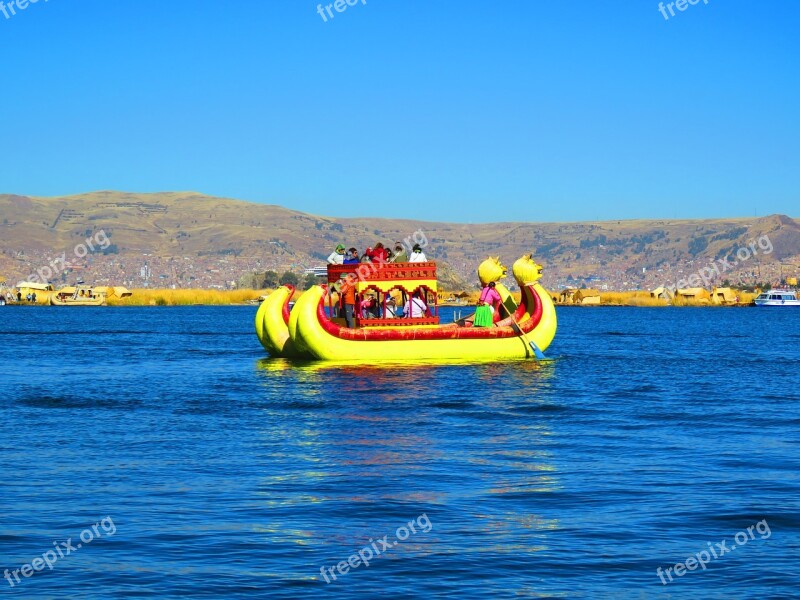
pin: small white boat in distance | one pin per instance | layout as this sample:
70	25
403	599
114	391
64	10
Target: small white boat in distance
778	298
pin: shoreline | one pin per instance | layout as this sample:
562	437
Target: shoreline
251	297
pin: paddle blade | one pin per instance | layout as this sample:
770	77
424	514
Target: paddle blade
536	351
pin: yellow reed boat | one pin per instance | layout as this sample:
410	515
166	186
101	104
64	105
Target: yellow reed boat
76	296
375	334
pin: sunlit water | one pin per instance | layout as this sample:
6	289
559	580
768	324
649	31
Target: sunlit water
648	435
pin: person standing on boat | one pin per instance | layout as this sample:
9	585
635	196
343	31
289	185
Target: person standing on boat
488	305
352	257
379	254
391	307
417	255
337	256
400	254
349	295
415	308
335	291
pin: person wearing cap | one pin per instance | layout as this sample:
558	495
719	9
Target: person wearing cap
391	307
400	254
370	309
417	255
337	256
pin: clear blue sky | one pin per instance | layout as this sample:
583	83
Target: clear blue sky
466	111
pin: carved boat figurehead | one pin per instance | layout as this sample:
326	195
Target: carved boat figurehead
491	270
526	270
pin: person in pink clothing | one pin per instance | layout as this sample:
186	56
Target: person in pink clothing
491	297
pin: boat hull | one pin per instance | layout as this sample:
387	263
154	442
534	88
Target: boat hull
272	323
55	301
764	303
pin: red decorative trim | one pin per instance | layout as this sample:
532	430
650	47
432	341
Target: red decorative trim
286	303
518	314
445	332
384	271
398	322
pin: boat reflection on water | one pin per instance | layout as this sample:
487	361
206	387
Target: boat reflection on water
513	368
470	445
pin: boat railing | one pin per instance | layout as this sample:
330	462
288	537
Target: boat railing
383	271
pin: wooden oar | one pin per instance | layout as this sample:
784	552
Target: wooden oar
536	351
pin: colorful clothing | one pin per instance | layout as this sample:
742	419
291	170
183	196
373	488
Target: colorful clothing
491	297
378	254
483	316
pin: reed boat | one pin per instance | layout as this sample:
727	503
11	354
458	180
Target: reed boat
310	329
76	296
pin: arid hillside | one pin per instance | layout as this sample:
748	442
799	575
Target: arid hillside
185	238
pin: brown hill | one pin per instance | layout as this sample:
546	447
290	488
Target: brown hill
187	238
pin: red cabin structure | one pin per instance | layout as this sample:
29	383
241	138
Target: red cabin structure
399	281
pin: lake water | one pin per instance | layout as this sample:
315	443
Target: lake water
207	470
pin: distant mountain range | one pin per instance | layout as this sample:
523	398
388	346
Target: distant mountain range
186	238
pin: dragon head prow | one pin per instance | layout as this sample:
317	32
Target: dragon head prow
526	270
491	270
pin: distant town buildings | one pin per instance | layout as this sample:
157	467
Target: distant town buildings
215	272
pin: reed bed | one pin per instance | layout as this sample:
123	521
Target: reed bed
747	297
637	298
187	297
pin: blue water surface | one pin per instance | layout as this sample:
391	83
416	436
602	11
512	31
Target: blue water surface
649	437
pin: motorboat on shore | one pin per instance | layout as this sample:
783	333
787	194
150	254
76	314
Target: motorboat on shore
778	298
312	330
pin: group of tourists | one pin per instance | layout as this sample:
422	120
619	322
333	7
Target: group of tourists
370	306
379	254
